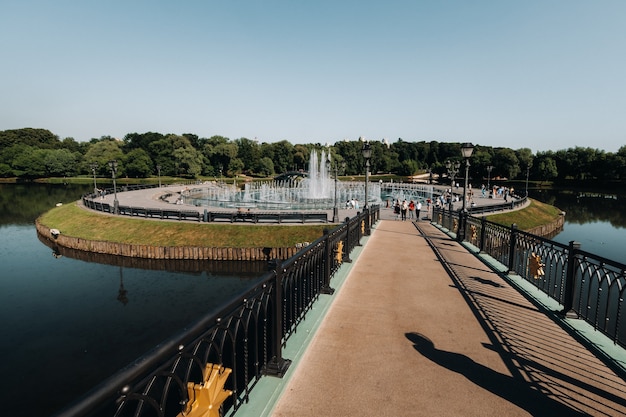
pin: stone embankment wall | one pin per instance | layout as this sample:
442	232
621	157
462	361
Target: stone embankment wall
167	252
549	230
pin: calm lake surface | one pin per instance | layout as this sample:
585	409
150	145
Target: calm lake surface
596	220
68	323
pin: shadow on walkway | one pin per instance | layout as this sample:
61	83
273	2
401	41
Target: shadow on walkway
516	391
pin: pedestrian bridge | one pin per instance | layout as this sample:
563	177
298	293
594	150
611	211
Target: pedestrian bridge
402	321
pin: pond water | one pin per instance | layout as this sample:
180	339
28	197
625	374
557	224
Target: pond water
67	324
596	220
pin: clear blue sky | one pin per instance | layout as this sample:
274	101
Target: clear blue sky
542	74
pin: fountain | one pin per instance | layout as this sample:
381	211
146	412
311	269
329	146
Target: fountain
314	192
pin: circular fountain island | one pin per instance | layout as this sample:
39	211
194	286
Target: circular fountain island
316	190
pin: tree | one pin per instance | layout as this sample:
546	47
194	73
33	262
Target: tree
545	167
137	163
60	163
249	153
506	162
187	159
265	167
30	163
525	158
282	156
101	153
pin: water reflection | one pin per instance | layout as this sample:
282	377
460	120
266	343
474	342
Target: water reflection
595	220
586	207
74	318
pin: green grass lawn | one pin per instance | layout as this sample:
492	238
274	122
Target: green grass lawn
76	221
537	214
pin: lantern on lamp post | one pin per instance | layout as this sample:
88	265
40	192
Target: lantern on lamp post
113	166
466	152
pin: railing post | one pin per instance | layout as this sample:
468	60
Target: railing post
568	291
483	235
346	252
328	259
512	248
277	365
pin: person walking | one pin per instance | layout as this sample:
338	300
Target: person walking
418	207
403	208
411	209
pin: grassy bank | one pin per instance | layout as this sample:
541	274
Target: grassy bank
536	214
75	221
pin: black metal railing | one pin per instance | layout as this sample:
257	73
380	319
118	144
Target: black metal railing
587	286
247	336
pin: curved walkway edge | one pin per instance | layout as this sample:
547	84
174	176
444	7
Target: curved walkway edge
421	326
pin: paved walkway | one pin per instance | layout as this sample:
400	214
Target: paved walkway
409	335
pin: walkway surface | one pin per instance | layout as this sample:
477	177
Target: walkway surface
409	335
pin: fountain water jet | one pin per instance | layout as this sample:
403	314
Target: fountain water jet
316	192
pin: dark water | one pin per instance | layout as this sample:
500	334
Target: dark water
596	220
66	324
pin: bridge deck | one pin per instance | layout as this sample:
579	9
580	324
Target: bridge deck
409	335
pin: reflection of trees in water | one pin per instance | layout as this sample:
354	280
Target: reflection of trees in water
584	208
23	203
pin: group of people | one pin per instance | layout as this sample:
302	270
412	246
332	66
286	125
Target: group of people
352	204
412	208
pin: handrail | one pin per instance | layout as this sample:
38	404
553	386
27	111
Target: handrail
586	285
246	336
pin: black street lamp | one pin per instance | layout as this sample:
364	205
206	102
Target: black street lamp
466	152
453	169
113	166
94	166
335	168
158	167
530	164
489	168
367	154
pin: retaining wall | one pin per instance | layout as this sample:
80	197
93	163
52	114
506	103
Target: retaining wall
166	252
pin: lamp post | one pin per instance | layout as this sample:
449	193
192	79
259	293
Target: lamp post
453	169
530	164
158	167
466	152
113	166
367	154
335	168
489	168
94	166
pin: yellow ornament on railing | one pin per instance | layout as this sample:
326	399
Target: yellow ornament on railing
536	266
440	219
455	224
339	252
206	398
362	227
473	232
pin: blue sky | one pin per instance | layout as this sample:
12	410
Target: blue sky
546	74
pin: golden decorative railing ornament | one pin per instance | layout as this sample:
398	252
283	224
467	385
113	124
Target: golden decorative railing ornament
362	227
473	233
440	218
455	224
206	398
339	252
536	266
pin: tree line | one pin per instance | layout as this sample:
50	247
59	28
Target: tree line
36	153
